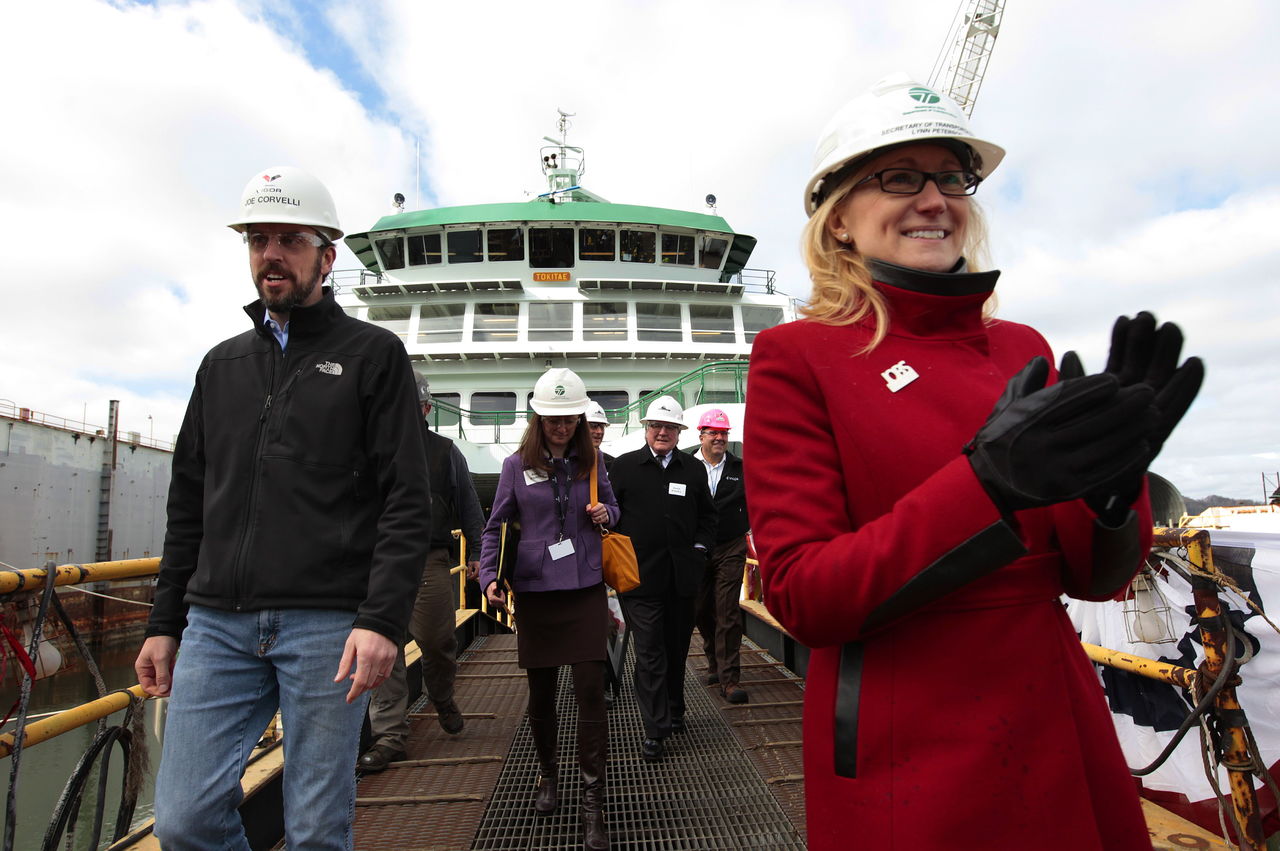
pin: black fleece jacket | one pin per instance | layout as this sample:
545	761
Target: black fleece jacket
299	478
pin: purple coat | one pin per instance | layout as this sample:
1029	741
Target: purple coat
529	499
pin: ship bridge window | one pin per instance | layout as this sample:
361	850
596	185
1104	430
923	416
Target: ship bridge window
755	319
711	323
638	246
604	320
505	244
596	244
677	248
391	251
394	319
464	246
424	249
496	322
550	320
440	323
493	408
658	321
713	249
441	416
611	400
551	248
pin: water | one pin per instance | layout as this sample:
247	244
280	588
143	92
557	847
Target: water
46	767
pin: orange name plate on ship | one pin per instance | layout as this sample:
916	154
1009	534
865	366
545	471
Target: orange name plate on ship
550	276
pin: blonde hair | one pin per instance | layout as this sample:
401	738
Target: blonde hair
843	292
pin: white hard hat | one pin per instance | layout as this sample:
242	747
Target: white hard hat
287	195
596	414
665	409
894	111
559	393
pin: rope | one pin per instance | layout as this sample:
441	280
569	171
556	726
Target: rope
85	653
130	736
1205	702
1218	578
108	596
24	698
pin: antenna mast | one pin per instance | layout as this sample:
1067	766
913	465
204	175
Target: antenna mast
959	68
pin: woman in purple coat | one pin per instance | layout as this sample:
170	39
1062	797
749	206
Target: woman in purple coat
563	614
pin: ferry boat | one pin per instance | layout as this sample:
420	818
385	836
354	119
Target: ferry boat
637	300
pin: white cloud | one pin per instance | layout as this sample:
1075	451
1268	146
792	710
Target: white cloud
1139	172
123	166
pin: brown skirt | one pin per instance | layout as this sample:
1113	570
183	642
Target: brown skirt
561	627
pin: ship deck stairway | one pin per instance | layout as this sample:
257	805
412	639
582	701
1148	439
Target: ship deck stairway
731	780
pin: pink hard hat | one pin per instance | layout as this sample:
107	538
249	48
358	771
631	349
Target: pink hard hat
714	418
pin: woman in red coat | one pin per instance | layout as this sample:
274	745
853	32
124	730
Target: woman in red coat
934	500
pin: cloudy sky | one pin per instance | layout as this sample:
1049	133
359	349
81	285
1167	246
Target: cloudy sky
1141	171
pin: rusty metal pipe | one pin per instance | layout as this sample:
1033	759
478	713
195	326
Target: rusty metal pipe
1149	668
56	725
1236	757
73	574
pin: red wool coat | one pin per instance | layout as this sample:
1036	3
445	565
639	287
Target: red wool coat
967	720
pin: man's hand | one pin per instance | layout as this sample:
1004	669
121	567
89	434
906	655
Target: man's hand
154	664
368	656
473	569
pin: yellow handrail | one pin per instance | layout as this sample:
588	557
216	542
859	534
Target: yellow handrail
77	716
72	574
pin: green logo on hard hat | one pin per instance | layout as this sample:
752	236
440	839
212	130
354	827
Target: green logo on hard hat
559	389
923	95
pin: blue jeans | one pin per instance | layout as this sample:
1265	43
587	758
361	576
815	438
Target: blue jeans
233	671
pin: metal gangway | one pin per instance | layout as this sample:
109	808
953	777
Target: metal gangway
732	779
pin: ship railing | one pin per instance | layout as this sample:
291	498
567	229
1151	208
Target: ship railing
716	382
756	280
20	585
342	280
751	280
78	427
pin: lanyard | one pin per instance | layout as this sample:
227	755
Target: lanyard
562	502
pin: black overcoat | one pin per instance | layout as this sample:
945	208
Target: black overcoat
663	524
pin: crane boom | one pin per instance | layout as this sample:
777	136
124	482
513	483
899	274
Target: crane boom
962	63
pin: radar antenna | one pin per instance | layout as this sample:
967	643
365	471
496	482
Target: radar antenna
960	67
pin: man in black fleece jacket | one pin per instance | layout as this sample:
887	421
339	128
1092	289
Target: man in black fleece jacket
298	523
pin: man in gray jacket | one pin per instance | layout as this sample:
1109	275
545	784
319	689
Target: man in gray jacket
454	505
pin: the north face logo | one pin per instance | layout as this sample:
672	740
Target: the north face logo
330	368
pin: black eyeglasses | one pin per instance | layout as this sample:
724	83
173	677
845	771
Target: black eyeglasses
910	181
287	241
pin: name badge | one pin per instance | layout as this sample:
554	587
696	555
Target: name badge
532	477
560	549
676	489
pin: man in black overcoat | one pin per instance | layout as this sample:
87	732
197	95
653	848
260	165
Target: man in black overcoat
668	512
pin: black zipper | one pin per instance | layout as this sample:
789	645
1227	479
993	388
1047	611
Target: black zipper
246	530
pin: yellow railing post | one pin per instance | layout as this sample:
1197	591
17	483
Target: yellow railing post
1214	625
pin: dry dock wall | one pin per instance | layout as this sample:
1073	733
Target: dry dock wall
51	492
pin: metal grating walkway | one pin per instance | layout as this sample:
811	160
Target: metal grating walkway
731	780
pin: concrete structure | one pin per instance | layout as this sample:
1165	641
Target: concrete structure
52	494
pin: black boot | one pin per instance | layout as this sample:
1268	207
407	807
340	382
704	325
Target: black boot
544	742
593	750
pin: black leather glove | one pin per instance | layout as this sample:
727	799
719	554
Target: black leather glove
1043	445
1141	353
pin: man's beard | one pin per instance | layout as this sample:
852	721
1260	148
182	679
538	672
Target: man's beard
295	295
